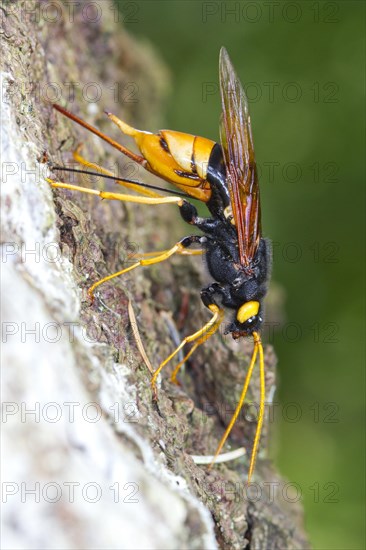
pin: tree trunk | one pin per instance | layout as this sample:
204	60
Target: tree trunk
90	459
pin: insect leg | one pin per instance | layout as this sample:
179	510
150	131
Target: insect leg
94	166
198	337
118	196
178	248
173	377
207	299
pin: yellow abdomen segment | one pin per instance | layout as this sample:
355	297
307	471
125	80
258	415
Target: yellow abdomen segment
179	158
190	152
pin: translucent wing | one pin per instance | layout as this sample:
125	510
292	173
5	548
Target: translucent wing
237	144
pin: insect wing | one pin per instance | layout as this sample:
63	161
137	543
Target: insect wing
237	144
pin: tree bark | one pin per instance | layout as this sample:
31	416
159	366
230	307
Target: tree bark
90	459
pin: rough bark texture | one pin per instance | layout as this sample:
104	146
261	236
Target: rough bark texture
109	467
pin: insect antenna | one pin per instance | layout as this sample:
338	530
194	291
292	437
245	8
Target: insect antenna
257	348
258	344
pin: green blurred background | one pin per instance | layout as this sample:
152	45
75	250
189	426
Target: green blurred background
303	64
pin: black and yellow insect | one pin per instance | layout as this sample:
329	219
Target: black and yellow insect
224	177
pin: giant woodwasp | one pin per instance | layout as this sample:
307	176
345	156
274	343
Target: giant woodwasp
224	177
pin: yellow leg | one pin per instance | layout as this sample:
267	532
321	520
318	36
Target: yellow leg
160	257
257	347
128	198
117	196
174	375
201	335
142	190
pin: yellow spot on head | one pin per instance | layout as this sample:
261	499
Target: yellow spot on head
228	213
246	311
